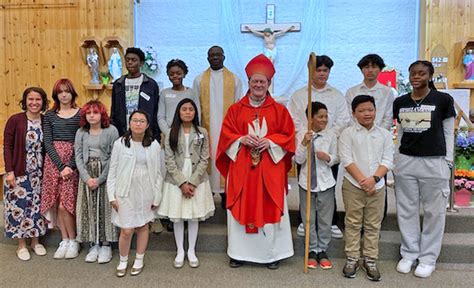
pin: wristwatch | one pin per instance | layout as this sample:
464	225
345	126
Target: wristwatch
376	178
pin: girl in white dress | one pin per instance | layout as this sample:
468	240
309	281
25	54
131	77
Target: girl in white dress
187	194
134	188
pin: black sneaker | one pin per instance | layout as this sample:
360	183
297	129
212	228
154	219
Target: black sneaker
235	263
274	265
351	267
223	201
370	268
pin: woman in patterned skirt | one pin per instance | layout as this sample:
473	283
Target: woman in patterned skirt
60	174
22	152
93	146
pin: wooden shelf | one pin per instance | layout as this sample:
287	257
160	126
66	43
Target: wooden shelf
94	86
464	85
108	86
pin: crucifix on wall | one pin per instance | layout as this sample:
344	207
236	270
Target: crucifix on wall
270	31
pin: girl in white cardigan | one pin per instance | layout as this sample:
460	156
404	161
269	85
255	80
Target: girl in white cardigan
134	188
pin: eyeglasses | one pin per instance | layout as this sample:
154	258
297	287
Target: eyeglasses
138	121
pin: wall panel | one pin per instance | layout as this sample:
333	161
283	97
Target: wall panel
40	40
448	22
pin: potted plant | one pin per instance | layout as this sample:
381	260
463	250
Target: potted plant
104	77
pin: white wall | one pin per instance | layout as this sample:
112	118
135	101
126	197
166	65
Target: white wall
185	29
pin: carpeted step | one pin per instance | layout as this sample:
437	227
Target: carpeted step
457	247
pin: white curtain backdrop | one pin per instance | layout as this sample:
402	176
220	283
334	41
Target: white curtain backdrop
313	39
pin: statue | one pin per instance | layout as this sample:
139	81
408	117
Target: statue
468	62
93	63
115	64
269	37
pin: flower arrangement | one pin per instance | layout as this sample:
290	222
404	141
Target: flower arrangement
403	84
464	144
461	183
151	65
464	173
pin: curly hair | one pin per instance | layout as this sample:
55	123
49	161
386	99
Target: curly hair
96	106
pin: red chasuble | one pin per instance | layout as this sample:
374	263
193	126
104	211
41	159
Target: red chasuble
255	194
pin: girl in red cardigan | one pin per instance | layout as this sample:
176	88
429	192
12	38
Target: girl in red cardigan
23	155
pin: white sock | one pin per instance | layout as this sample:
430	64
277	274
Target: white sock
179	238
123	262
138	263
193	227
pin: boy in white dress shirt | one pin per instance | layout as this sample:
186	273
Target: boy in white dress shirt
324	155
366	153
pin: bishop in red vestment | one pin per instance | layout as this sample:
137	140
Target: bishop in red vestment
254	155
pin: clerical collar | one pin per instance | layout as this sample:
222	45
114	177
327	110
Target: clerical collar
218	70
256	103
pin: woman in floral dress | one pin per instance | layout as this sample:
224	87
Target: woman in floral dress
23	155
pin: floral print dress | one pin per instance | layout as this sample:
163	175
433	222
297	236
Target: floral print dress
22	203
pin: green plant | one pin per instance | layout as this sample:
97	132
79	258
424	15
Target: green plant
104	74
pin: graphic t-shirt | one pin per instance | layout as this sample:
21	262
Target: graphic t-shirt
132	94
422	123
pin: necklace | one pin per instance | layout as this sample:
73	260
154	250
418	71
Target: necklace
419	101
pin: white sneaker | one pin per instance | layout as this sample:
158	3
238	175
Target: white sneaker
93	254
62	249
72	249
424	270
300	230
404	266
336	233
105	254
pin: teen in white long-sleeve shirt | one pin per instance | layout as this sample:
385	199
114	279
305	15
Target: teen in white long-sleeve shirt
370	66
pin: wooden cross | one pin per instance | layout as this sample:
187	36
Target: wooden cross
270	23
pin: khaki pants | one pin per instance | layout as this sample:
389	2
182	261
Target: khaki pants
362	211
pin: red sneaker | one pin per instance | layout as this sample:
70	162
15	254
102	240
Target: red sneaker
312	262
324	261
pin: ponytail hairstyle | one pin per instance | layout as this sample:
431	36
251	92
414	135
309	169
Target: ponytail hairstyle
179	63
430	70
147	139
177	122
